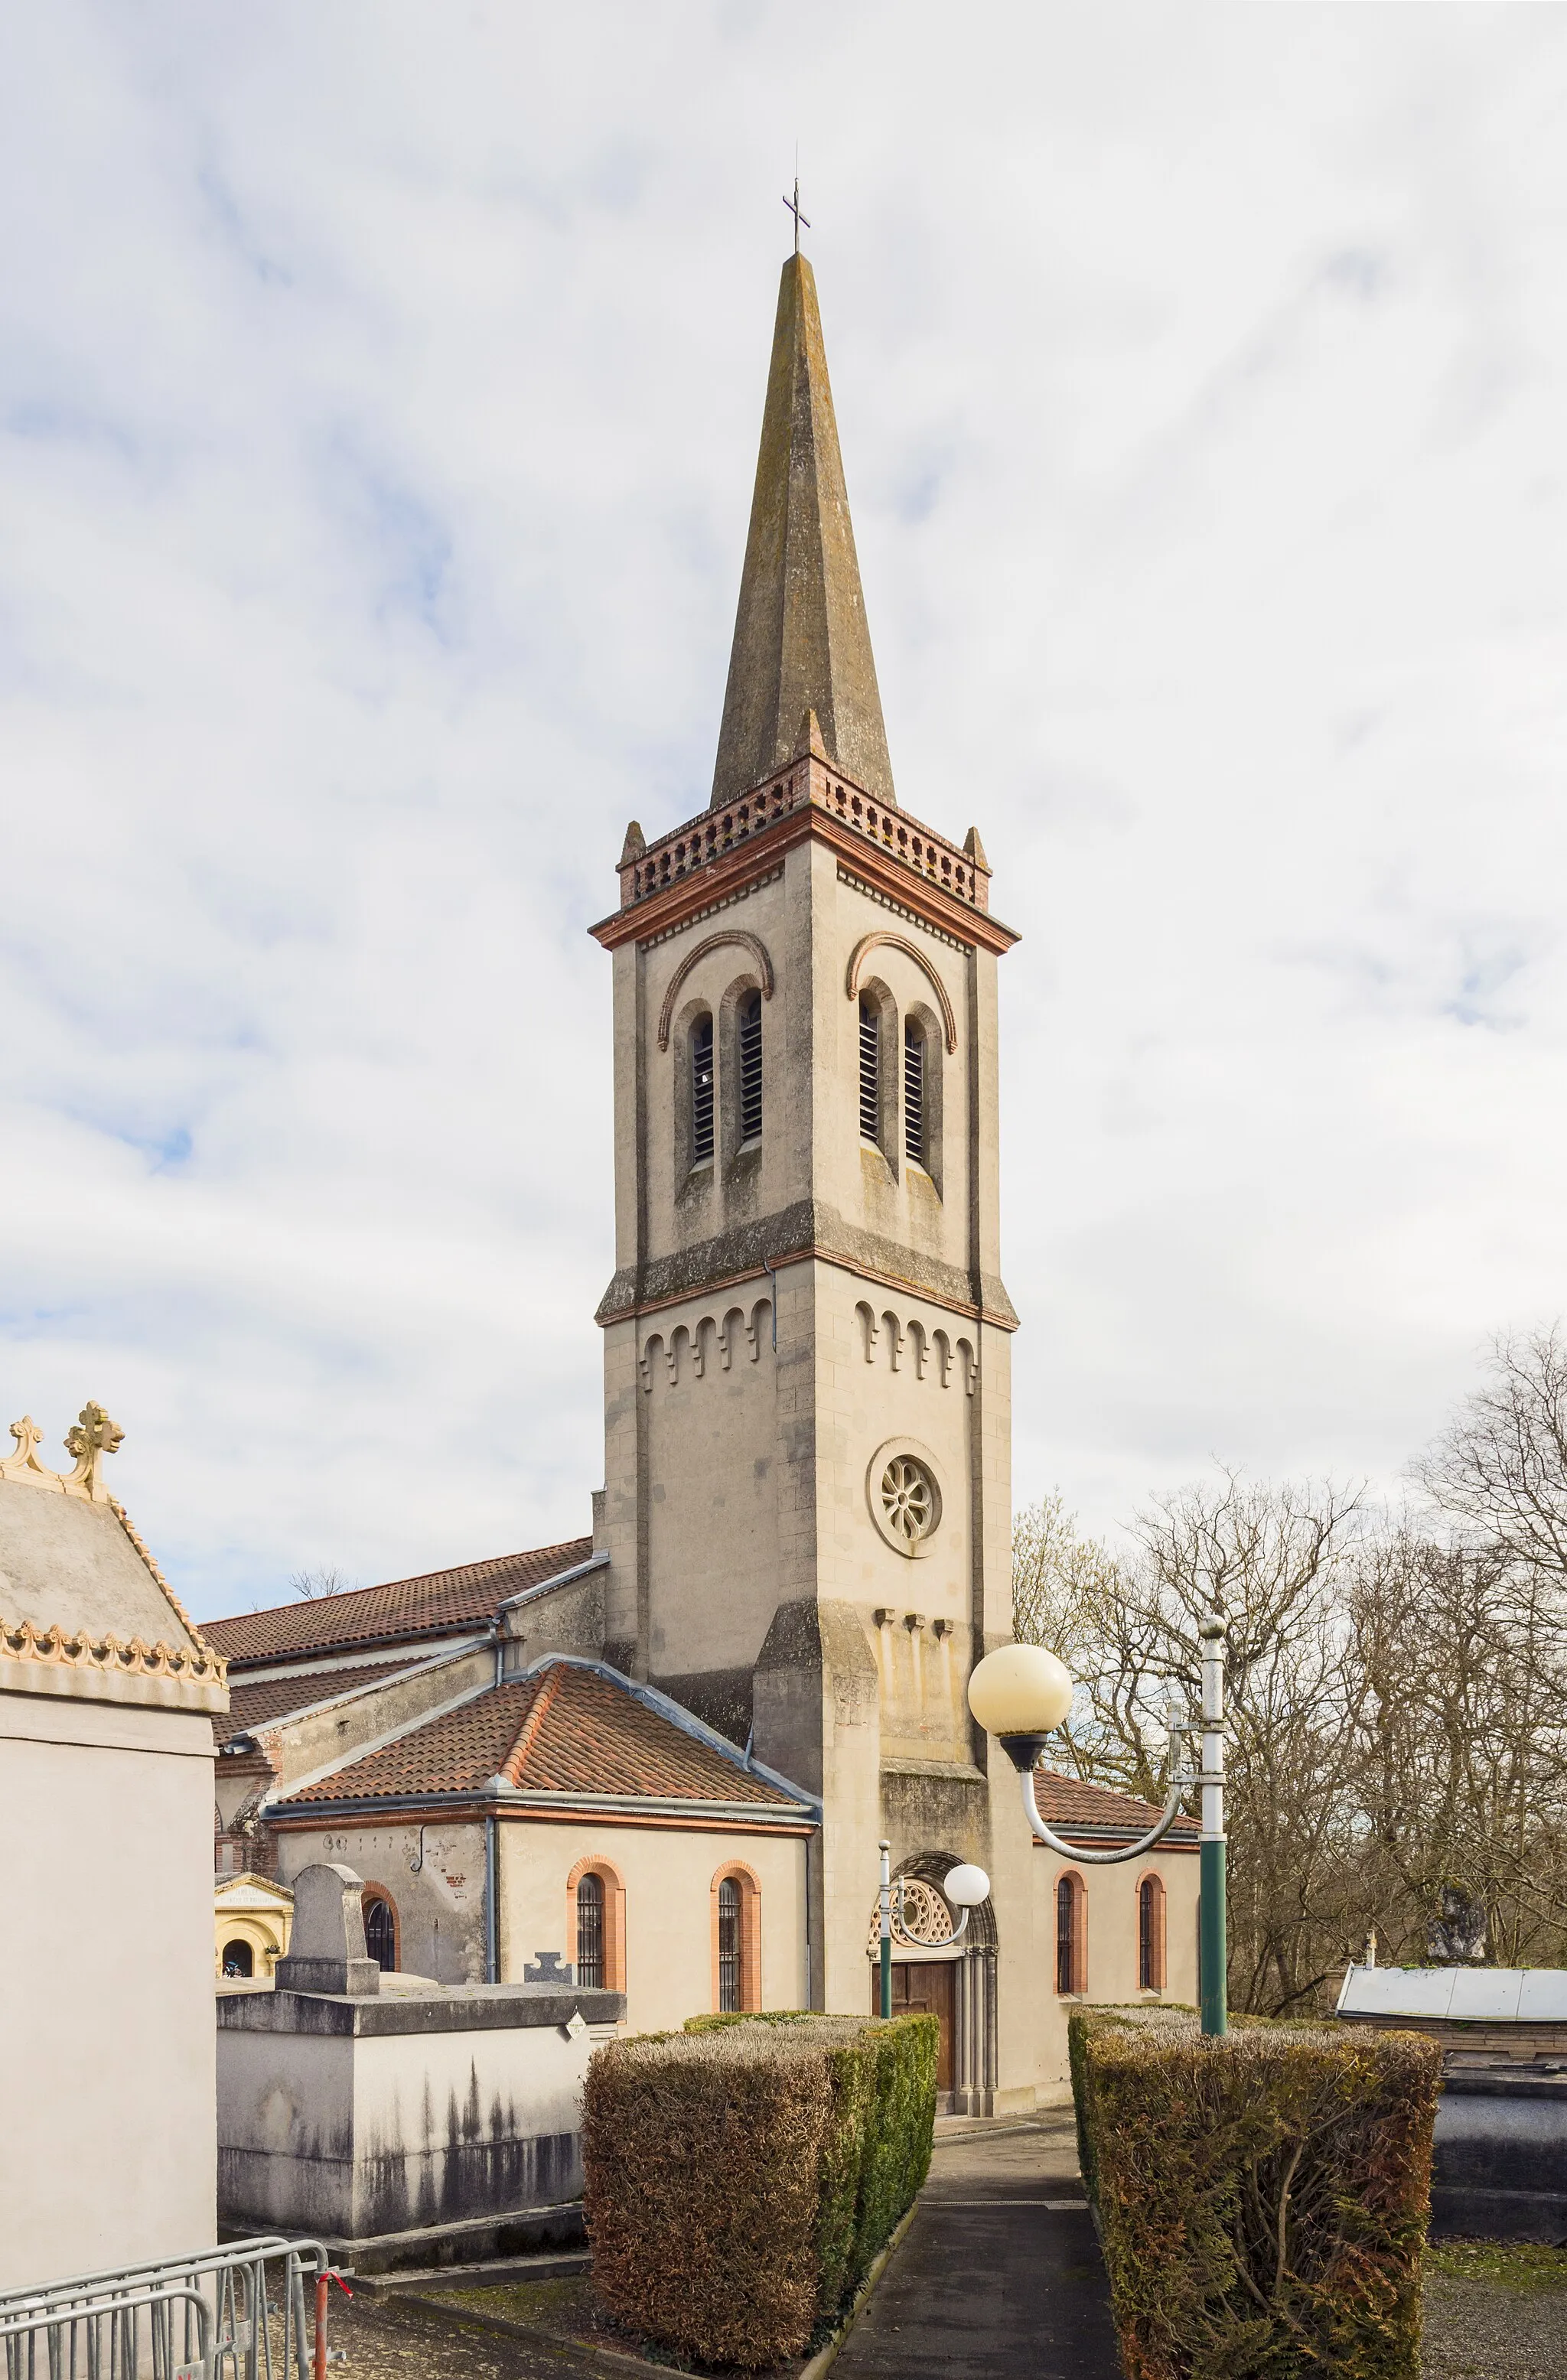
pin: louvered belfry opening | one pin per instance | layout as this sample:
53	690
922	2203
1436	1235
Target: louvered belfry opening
750	1066
1067	1935
701	1090
869	1072
590	1933
728	1948
913	1093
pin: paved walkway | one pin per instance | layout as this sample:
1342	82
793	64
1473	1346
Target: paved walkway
998	2275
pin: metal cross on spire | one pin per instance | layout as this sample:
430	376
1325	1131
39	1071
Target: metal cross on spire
793	206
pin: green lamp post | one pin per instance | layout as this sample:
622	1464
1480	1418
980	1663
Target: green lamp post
1020	1693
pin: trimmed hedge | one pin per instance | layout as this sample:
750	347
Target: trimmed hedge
742	2176
1263	2198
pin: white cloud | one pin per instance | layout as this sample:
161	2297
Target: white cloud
379	391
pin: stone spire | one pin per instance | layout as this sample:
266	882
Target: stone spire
801	642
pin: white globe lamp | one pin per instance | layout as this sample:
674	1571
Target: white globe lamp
966	1886
1020	1692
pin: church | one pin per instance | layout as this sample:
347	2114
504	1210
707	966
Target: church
667	1754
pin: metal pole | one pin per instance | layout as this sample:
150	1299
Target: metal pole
1213	1957
886	1929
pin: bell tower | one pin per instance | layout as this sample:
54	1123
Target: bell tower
807	1341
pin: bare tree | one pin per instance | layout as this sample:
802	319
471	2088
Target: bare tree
1499	1468
309	1585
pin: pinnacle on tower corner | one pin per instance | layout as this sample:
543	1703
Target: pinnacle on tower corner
801	639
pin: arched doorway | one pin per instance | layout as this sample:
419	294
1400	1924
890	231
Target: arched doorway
238	1960
953	1980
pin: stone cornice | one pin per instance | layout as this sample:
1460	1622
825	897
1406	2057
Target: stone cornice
810	1228
61	1659
665	883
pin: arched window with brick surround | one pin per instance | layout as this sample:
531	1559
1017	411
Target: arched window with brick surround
737	1940
1071	1932
595	1924
1150	1934
381	1927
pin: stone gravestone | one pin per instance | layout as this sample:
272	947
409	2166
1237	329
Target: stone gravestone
326	1952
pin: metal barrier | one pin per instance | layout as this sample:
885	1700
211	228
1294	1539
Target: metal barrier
237	2312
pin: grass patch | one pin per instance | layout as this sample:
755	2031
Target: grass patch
1505	2263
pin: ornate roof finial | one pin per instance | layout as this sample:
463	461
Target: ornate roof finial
92	1435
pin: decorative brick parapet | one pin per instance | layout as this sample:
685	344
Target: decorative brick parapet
806	784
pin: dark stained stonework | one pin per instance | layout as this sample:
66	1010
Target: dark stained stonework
810	1227
801	640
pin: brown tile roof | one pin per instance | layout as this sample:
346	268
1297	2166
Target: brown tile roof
567	1728
257	1702
405	1607
1066	1803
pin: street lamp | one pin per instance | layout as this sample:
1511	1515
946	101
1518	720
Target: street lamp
1020	1693
965	1886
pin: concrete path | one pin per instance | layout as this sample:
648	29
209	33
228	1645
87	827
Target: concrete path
999	2275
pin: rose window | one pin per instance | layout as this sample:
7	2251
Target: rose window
908	1499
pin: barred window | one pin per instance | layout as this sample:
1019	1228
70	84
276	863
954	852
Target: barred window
590	1933
1069	1960
869	1072
750	1066
1150	1935
381	1932
914	1092
701	1090
729	1947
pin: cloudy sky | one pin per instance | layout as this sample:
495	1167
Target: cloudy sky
378	394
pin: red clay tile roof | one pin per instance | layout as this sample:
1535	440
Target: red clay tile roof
565	1729
1067	1804
257	1702
405	1607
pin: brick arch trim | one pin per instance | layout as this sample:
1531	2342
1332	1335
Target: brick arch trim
613	1883
750	1932
733	934
379	1892
881	939
1073	1876
1151	1875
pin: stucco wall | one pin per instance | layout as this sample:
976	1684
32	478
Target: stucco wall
1112	1908
108	2154
439	1903
668	1877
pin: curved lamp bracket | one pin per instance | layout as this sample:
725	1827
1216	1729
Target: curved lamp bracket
1179	1782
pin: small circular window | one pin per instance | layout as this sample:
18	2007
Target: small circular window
905	1500
908	1499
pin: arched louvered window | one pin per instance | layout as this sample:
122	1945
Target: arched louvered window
869	1072
701	1090
751	1067
1071	1936
1150	1935
590	1932
380	1931
731	1947
914	1091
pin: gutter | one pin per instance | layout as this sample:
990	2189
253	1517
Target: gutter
481	1798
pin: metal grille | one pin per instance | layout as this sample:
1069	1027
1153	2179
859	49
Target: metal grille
914	1094
1066	1935
1147	1936
590	1933
701	1090
381	1933
750	1066
728	1948
869	1072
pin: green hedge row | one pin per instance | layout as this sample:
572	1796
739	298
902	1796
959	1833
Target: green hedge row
742	2176
1262	2197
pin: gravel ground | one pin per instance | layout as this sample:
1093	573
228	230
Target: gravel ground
1495	2313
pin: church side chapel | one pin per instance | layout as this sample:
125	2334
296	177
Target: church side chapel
665	1755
